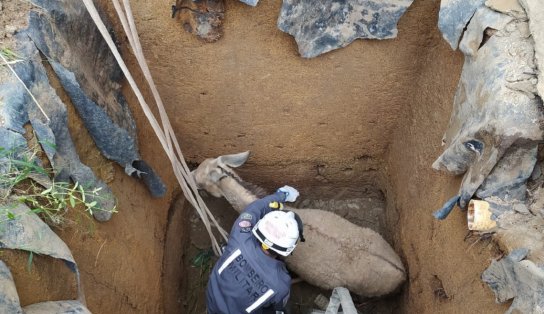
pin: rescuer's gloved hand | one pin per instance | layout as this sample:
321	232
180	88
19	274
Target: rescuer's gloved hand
291	193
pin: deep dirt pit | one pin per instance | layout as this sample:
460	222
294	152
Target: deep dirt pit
364	207
353	118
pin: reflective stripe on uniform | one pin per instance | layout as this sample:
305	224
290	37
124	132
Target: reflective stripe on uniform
260	300
229	260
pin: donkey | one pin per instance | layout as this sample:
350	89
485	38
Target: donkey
336	252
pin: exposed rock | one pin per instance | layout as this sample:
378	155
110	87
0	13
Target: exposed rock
510	7
507	181
9	140
483	18
204	18
537	200
54	131
535	12
518	279
21	229
26	231
319	27
9	299
446	209
489	116
493	136
47	138
454	16
72	307
74	56
521	230
250	2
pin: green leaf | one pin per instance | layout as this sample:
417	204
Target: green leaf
202	259
37	210
29	262
28	165
11	216
9	54
91	204
74	188
72	201
48	144
82	193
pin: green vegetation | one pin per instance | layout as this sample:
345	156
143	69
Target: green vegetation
203	260
22	179
199	272
10	56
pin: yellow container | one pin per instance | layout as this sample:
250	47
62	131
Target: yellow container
479	216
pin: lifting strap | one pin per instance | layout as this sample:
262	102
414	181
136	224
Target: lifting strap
165	134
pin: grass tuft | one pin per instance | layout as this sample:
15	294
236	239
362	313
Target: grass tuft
18	180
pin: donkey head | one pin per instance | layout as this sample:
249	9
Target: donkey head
212	170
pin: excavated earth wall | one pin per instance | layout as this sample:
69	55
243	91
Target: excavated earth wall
368	116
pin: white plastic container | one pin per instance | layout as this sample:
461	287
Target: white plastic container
479	216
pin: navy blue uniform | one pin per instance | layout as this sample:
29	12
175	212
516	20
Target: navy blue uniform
245	279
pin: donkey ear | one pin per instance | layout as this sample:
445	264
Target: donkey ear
234	160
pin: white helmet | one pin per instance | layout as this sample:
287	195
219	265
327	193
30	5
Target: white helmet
279	231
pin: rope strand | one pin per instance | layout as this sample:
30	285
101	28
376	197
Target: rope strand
165	135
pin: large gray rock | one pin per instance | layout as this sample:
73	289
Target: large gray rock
506	185
535	12
51	131
322	26
494	133
21	229
9	299
495	112
454	16
90	75
57	307
26	231
510	7
483	19
518	279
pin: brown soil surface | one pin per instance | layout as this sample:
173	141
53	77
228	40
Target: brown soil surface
444	261
120	260
12	17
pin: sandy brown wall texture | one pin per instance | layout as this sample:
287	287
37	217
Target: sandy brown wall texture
444	265
252	91
334	119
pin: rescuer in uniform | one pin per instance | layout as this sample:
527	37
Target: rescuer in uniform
250	277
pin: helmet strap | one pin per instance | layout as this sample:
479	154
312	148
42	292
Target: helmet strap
268	251
300	227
